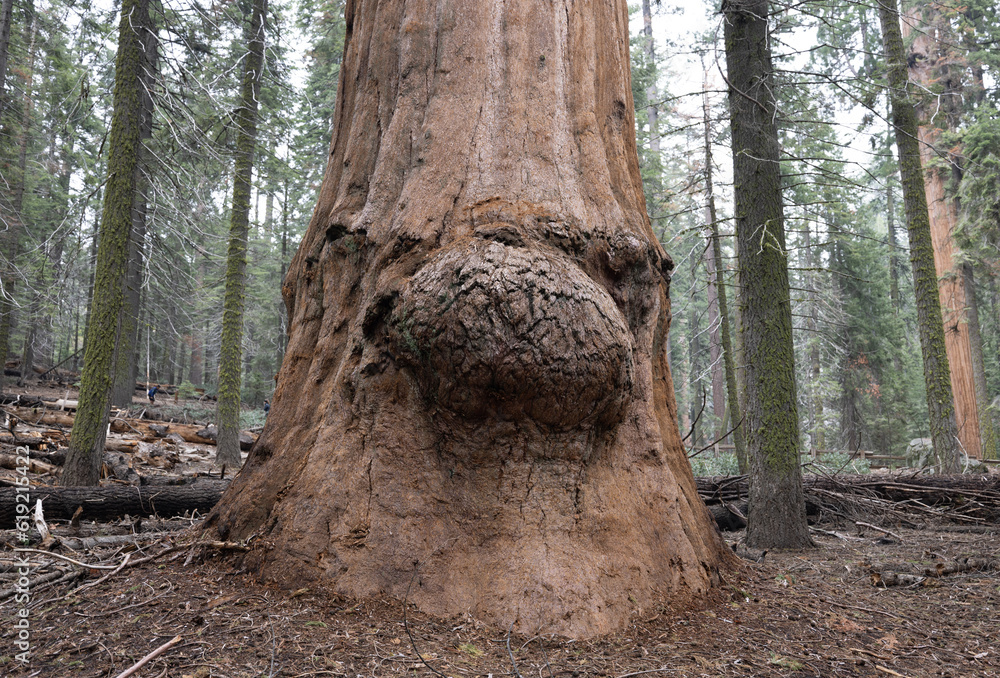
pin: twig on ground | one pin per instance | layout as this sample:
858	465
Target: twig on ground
104	578
67	559
150	657
879	529
406	625
511	654
639	673
127	607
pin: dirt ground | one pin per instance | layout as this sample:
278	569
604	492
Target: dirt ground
799	613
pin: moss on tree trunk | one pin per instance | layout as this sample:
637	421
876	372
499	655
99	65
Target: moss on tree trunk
126	347
86	452
777	514
231	350
937	377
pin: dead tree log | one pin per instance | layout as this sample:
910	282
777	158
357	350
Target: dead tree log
110	503
191	433
964	497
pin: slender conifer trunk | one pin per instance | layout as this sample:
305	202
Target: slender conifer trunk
987	431
728	357
228	409
777	515
937	376
935	63
126	347
8	236
6	13
86	452
652	105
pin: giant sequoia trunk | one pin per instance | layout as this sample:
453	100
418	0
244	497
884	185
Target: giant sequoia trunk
933	64
475	396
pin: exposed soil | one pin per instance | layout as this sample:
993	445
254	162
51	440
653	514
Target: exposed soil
800	613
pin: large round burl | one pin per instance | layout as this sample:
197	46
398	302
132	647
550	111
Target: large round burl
498	330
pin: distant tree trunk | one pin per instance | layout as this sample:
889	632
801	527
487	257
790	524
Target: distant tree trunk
6	13
729	358
28	347
987	431
937	377
718	371
86	451
9	245
16	225
714	331
228	407
777	512
932	63
127	345
475	396
890	222
285	209
698	395
652	107
818	437
196	374
6	302
170	350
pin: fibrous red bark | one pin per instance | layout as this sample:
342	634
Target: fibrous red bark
475	396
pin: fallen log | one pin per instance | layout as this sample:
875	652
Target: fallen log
30	439
212	433
930	574
111	503
728	517
719	489
968	498
120	445
36	416
21	400
191	433
13	462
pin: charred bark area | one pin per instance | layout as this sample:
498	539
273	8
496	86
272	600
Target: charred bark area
475	395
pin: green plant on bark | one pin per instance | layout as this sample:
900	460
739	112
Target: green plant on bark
230	361
777	516
85	456
937	377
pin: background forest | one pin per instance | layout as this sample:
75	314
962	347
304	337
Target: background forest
858	365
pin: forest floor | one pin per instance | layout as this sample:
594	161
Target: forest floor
814	612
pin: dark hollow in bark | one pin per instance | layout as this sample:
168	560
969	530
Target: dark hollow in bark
475	395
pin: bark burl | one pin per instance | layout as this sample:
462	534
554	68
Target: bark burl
475	401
